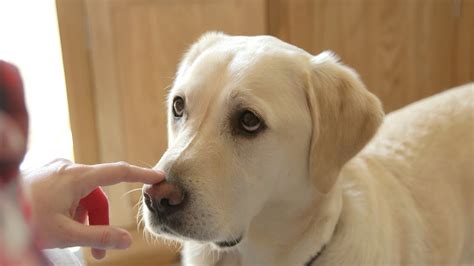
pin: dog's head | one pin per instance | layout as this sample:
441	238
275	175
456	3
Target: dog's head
249	119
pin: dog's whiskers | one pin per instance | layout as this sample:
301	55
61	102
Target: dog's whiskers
138	205
130	191
145	164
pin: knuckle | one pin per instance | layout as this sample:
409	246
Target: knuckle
60	161
59	165
123	167
105	238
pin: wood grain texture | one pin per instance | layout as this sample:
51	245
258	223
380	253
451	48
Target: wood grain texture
404	50
79	80
109	103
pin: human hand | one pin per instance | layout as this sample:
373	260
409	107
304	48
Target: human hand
56	191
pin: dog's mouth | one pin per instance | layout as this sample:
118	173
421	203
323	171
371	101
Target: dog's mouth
166	230
176	227
220	244
228	244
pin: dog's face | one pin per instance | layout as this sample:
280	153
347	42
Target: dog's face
244	127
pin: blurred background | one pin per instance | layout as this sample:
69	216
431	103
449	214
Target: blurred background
96	70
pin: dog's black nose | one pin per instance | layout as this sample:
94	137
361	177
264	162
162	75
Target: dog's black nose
163	198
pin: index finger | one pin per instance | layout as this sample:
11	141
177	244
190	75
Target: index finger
113	173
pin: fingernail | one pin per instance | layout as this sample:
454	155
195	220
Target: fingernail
124	242
160	172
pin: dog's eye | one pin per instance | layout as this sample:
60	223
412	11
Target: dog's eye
178	106
250	122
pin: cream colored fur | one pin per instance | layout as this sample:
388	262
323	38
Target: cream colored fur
315	177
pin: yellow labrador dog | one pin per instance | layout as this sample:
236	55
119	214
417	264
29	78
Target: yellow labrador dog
279	157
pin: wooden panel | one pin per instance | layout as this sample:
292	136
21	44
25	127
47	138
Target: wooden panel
79	84
108	104
404	50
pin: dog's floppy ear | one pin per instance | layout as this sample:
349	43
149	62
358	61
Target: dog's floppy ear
345	116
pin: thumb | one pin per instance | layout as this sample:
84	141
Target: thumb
100	236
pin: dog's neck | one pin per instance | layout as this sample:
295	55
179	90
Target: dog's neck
292	230
287	231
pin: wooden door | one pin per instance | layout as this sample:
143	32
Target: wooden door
404	50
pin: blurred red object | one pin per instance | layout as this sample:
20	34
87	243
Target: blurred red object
97	206
14	116
19	246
